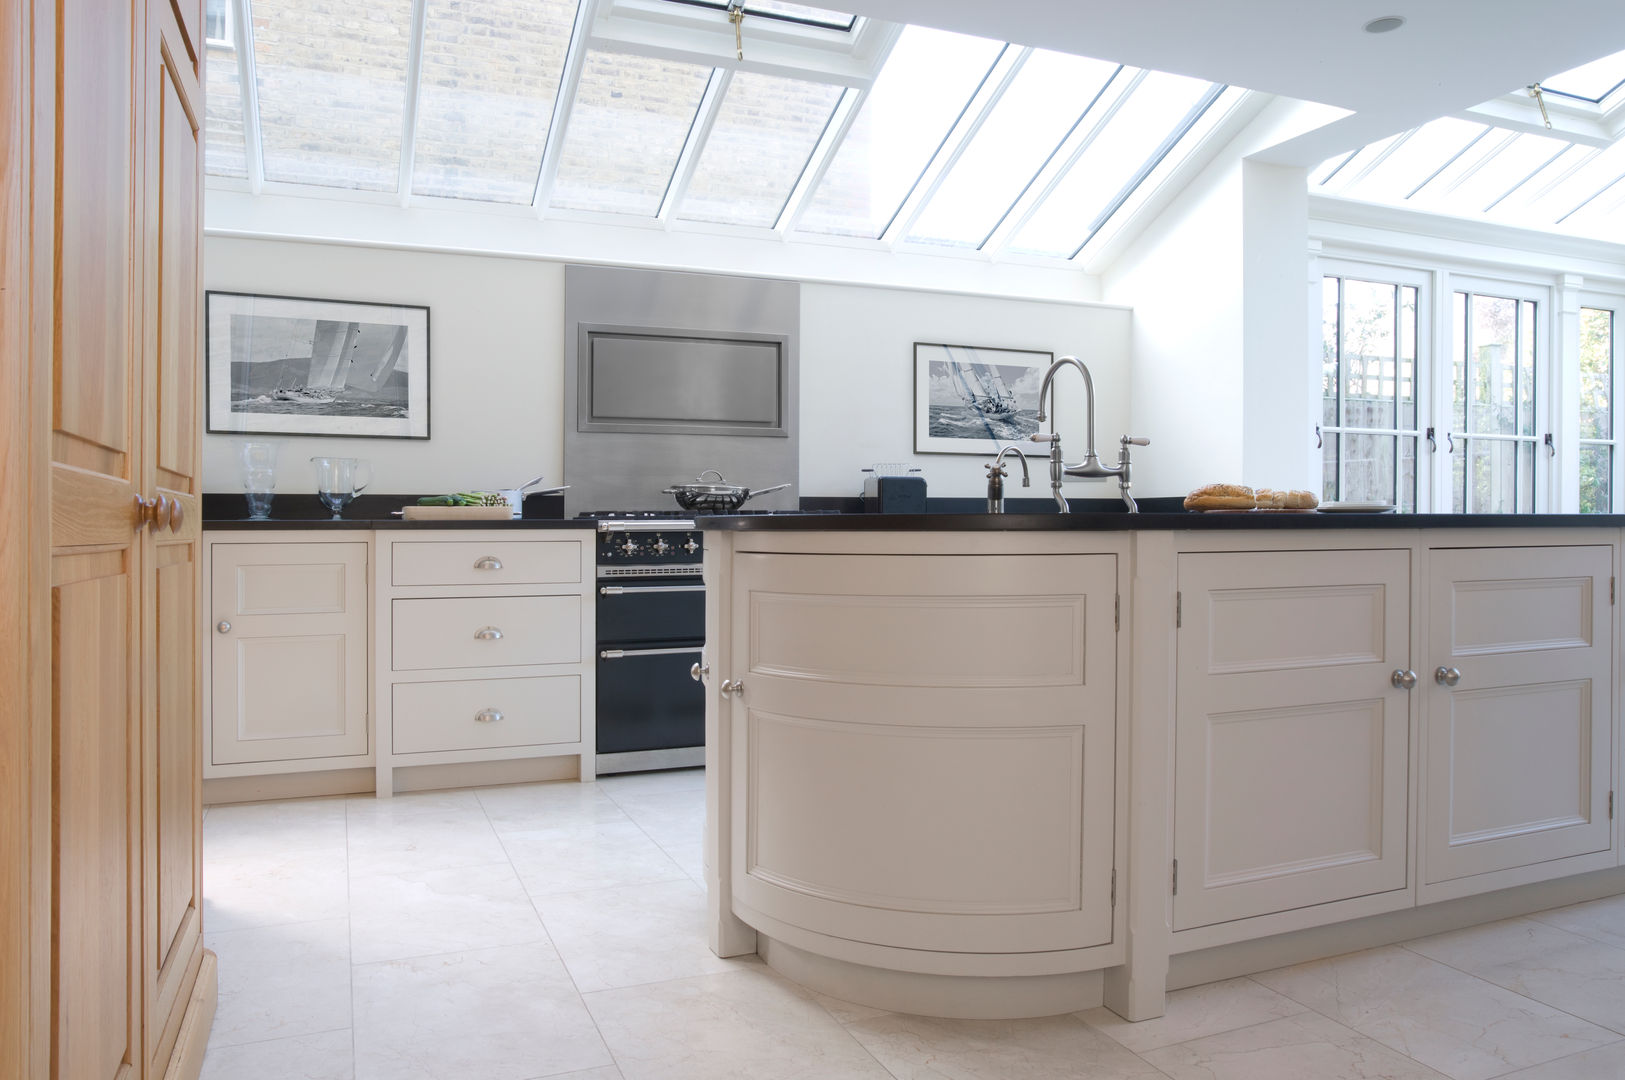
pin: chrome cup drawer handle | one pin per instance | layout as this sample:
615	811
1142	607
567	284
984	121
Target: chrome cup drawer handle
488	562
488	716
488	633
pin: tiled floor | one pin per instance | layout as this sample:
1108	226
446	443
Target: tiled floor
557	930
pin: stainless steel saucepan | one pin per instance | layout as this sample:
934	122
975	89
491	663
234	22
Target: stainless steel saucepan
719	497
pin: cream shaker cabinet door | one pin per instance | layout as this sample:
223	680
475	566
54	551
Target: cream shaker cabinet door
1291	739
890	705
288	637
1518	742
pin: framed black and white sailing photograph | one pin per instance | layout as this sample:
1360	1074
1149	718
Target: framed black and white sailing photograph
290	365
971	399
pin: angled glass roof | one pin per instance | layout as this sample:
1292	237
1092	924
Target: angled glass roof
1562	176
832	128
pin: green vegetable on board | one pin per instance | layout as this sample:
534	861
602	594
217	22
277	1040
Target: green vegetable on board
464	498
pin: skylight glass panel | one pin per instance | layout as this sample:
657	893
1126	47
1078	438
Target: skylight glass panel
1506	168
224	152
1353	168
763	135
630	119
920	94
332	90
1135	139
485	101
1589	82
1417	157
1030	121
1580	186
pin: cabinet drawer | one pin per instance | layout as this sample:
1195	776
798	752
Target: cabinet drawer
498	562
486	631
484	714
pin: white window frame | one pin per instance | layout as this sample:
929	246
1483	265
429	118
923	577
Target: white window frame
1615	303
229	21
1423	282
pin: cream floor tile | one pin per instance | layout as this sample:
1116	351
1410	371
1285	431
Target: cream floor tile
281	981
669	817
588	855
847	1012
395	916
305	1057
410	803
1306	1046
747	1024
691	857
1607	1063
490	1014
1197	1012
1602	920
528	807
607	1072
923	1048
1458	1024
422	840
1576	974
240	892
631	934
274	829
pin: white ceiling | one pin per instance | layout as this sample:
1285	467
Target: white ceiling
1449	55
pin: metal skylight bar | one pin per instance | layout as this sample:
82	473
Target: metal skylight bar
835	131
254	154
705	118
1483	162
1533	173
1033	195
575	58
1451	161
1591	198
1004	73
409	108
1351	156
1151	163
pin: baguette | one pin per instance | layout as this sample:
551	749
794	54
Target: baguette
1221	497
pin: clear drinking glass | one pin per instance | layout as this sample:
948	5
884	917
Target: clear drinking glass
336	481
256	463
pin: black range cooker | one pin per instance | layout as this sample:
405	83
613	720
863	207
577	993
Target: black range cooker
651	631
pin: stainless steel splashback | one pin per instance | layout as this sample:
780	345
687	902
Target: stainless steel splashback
668	374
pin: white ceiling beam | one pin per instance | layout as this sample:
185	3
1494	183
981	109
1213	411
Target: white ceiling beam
253	149
1581	123
981	106
575	58
409	108
705	118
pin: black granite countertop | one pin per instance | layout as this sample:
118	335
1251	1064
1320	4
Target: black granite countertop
227	511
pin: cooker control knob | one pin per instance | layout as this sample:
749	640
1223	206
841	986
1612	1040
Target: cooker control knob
691	547
661	547
629	546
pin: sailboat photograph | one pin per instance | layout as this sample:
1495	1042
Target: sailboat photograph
968	397
286	365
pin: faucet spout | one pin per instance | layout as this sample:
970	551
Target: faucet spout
1091	465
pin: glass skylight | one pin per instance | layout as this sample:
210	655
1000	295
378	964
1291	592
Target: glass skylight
332	90
921	93
1589	82
490	77
773	9
1131	142
757	149
1035	114
631	117
224	149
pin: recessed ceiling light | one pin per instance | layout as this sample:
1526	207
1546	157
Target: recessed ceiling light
1385	24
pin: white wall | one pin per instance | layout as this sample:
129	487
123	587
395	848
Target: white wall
857	383
497	377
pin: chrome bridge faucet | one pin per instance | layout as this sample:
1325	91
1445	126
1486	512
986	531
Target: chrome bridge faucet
1091	465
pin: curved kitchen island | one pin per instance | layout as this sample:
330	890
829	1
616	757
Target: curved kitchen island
997	766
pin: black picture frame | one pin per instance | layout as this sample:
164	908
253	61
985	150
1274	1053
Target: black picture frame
971	399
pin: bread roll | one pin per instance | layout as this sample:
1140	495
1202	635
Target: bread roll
1220	497
1301	500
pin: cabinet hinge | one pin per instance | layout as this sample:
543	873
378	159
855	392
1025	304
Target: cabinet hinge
1610	590
1117	612
1179	610
1114	886
1176	877
1610	806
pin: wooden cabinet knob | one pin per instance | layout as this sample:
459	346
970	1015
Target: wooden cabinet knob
177	514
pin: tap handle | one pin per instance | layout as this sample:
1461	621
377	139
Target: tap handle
995	470
1044	437
1136	440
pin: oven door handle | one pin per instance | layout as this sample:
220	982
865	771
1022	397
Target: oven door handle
637	590
621	654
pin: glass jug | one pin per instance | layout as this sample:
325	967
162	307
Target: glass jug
257	467
336	481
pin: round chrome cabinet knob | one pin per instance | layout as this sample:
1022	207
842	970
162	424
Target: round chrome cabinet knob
1447	676
1403	678
223	626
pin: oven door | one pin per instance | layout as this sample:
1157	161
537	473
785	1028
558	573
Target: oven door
648	702
634	611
